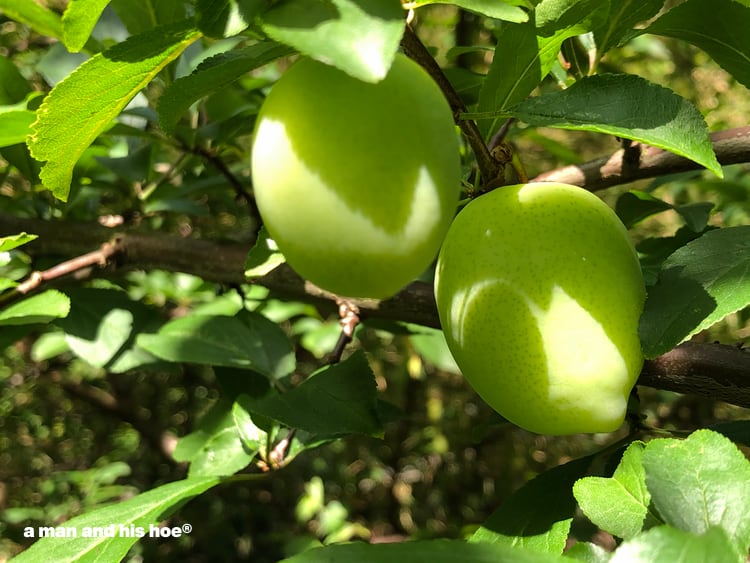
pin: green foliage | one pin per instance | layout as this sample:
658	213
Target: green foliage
122	400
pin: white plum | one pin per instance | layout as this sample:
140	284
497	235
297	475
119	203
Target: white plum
539	292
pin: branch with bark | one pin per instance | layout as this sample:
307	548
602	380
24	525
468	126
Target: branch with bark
713	370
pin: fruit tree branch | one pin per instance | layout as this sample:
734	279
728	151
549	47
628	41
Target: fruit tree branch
718	371
489	168
638	161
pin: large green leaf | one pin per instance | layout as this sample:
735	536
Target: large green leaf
125	520
41	308
425	551
360	37
79	20
39	18
247	340
526	52
699	483
508	10
627	106
618	504
676	546
212	75
85	103
719	27
339	399
699	284
539	514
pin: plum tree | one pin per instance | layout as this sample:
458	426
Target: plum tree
539	292
356	182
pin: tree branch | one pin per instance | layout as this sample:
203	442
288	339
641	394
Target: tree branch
731	147
489	168
718	371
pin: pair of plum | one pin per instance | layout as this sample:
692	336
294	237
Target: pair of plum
538	287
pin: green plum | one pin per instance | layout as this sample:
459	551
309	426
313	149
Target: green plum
356	182
539	292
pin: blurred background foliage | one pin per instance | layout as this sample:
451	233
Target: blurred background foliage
73	436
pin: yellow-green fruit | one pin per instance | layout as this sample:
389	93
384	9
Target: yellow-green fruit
539	292
356	182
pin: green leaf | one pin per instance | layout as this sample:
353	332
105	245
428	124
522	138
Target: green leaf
699	284
102	326
507	10
41	308
700	482
425	551
213	75
263	257
84	104
224	18
360	37
15	126
618	504
253	438
79	20
718	27
525	53
14	241
623	15
137	514
627	106
676	546
338	399
539	514
39	18
216	448
248	341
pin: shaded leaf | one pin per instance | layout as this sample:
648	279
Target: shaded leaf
13	86
82	105
212	75
79	20
247	340
425	551
41	308
699	483
718	27
224	18
629	107
149	508
539	514
635	205
623	15
338	399
263	257
142	15
699	284
360	37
